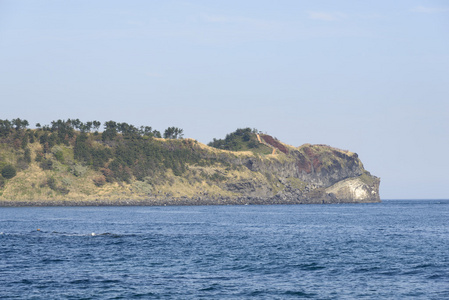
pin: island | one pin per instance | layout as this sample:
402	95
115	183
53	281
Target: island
74	163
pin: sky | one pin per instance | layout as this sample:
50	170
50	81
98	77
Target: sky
371	77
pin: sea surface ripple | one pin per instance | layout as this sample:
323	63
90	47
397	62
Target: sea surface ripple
389	250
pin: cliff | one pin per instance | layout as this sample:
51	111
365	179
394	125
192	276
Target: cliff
88	170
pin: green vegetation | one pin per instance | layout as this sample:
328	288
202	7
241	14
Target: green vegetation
121	152
70	156
367	178
75	161
296	183
241	140
8	171
173	133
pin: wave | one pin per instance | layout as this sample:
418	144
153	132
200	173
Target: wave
68	234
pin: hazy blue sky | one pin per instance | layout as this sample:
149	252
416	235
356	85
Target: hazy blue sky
368	76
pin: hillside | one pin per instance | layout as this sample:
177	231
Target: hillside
73	163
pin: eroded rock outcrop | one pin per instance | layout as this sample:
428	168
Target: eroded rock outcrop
356	189
307	174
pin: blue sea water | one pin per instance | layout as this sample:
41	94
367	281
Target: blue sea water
389	250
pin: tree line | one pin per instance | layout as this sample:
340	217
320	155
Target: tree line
241	139
111	128
121	152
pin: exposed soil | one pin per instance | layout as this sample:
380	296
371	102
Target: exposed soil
271	141
314	158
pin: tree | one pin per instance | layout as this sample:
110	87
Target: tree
24	141
76	123
5	127
110	131
168	133
27	155
97	125
157	134
241	139
9	171
88	126
173	133
20	124
31	136
82	150
25	124
62	131
145	131
128	131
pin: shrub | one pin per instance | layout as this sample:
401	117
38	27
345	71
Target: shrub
51	182
59	156
46	164
27	155
108	174
241	139
63	190
100	180
39	156
78	170
9	171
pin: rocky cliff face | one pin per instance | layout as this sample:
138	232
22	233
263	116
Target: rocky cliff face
358	189
307	174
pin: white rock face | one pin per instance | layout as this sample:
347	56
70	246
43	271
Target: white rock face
359	192
352	188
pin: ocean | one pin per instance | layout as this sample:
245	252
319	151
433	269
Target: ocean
397	249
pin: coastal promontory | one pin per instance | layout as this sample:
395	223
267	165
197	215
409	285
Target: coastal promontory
73	163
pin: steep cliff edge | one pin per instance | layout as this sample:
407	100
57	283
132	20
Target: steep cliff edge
307	174
88	170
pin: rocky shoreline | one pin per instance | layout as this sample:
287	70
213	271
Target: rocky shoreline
179	202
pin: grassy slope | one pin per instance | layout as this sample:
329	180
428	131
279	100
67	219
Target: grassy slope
197	181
